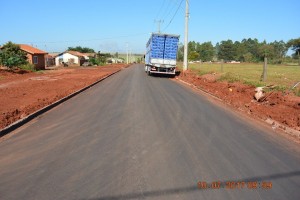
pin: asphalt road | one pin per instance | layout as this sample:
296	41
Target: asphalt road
139	137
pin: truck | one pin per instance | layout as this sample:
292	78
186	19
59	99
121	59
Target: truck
161	54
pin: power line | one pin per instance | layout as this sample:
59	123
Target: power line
173	15
88	40
158	13
170	8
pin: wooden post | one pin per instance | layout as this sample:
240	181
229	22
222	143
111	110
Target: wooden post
222	63
265	69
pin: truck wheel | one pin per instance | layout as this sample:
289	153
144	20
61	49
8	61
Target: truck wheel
148	71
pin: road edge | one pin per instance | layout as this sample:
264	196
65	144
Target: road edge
269	122
28	118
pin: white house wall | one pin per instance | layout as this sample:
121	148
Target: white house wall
66	57
57	60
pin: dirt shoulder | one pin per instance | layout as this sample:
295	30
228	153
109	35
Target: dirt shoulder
279	109
23	94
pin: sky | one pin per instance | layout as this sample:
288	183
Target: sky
117	25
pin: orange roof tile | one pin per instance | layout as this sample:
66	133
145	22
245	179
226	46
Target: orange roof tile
76	53
31	50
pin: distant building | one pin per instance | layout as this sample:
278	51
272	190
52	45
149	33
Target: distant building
50	59
114	60
71	57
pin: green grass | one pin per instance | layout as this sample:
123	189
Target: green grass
283	76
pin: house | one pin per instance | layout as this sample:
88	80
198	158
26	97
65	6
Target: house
34	56
114	60
71	57
50	59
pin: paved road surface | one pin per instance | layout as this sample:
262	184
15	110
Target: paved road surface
139	137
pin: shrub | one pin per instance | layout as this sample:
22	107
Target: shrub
28	66
12	56
230	77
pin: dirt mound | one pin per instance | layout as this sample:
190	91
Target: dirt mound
279	106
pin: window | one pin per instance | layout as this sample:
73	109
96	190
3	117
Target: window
35	60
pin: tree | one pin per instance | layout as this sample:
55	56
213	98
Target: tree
242	53
180	52
81	49
251	46
206	51
116	55
12	56
227	50
102	57
247	57
295	45
192	45
280	50
193	56
266	50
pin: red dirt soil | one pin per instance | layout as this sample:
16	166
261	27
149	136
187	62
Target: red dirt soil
283	108
23	93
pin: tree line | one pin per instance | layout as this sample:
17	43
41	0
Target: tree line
247	50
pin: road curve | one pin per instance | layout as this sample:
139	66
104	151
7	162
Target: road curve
139	137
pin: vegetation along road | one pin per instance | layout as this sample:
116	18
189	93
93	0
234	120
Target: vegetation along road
135	137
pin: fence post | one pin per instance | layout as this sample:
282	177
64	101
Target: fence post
265	69
222	63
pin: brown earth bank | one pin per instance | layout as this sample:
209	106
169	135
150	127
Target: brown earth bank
283	107
22	93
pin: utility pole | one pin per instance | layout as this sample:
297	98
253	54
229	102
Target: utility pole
127	51
130	58
222	65
185	60
158	24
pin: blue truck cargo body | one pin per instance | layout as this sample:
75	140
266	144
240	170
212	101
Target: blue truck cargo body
161	54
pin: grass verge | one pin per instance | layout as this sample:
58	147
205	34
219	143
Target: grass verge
282	76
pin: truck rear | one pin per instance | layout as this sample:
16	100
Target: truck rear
161	54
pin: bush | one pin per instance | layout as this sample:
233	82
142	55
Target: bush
28	66
12	56
93	61
96	61
230	77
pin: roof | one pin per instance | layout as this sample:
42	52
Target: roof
75	53
89	54
49	56
31	50
53	54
